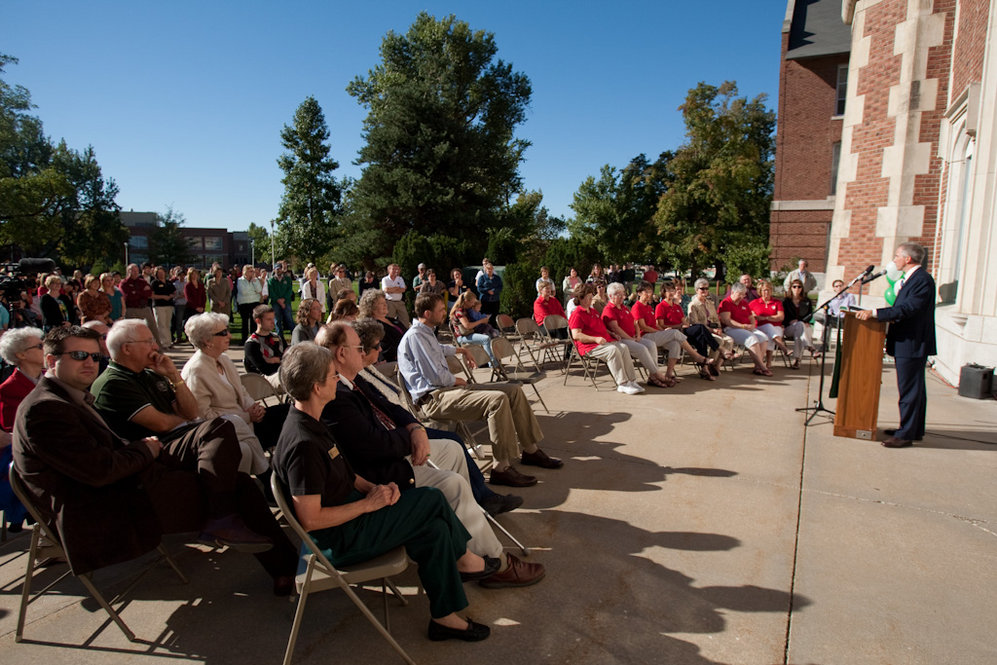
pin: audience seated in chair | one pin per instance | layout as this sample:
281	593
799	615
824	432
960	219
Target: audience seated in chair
111	499
591	338
214	381
769	317
471	325
264	348
739	324
352	519
374	305
694	339
620	324
22	348
703	312
308	318
384	443
511	424
798	312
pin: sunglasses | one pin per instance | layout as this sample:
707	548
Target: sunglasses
703	288
222	333
80	355
33	346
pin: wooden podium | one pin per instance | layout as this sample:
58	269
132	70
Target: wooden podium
860	378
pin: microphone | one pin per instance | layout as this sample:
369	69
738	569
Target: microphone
861	276
873	277
869	269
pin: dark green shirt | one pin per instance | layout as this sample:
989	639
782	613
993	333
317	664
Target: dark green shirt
281	288
121	393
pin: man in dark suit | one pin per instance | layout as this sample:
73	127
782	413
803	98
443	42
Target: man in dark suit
910	339
110	499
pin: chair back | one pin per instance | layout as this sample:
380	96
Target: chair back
457	367
505	322
502	348
27	499
527	327
554	322
480	356
257	386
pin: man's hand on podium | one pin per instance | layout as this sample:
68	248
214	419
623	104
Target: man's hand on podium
865	314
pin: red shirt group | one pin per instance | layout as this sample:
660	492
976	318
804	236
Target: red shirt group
669	312
640	311
588	321
761	308
544	308
619	314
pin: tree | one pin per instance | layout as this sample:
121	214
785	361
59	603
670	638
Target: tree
310	210
261	240
167	244
616	212
440	153
716	208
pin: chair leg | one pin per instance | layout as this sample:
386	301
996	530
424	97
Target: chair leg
173	564
26	587
522	548
540	398
299	611
377	624
88	583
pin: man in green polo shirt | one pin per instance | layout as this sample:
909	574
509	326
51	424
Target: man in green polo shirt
280	286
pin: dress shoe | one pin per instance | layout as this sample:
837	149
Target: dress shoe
475	632
894	442
511	477
231	531
518	573
491	567
541	459
893	432
496	504
283	586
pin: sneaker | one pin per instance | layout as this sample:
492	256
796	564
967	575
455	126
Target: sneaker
636	385
629	389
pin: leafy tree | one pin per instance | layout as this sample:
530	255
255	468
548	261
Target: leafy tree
167	244
566	253
310	209
261	240
616	212
440	153
716	208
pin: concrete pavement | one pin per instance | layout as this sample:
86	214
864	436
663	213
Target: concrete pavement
699	524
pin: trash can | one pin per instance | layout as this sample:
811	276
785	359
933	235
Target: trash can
975	381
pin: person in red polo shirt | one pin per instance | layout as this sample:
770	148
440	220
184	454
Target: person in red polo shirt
739	324
620	324
591	338
769	316
138	297
651	322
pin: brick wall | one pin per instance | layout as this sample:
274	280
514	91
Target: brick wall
798	234
967	63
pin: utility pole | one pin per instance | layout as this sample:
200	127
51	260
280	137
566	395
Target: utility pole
273	247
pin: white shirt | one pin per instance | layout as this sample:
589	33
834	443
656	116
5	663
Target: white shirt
399	282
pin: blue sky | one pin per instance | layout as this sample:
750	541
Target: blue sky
183	101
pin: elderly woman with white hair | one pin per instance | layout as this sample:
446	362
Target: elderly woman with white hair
214	380
21	347
592	338
703	312
738	322
620	323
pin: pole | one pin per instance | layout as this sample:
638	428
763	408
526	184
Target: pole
126	254
273	247
252	251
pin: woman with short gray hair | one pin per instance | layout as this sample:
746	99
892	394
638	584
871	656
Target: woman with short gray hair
739	323
201	327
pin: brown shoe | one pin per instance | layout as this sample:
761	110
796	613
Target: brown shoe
894	442
231	531
511	477
519	573
541	459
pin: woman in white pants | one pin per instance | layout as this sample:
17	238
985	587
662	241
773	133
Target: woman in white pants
592	339
739	324
769	318
620	324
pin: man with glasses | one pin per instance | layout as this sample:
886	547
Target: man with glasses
111	499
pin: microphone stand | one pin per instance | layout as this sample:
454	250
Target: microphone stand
818	406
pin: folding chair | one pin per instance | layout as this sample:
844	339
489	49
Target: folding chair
259	388
590	366
45	545
536	342
461	426
507	326
503	349
316	573
457	367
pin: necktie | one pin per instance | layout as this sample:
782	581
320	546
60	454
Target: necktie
382	417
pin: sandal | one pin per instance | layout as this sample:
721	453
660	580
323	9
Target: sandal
762	372
796	364
653	380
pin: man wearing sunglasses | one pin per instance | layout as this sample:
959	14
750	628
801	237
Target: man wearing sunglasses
111	498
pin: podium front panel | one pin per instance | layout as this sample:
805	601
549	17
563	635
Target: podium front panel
860	379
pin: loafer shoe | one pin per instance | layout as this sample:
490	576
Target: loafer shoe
518	573
894	442
497	504
511	478
231	531
475	632
491	567
893	432
541	459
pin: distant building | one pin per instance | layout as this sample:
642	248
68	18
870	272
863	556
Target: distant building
813	76
918	157
208	245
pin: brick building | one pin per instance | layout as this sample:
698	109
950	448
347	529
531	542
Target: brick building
208	245
918	159
812	82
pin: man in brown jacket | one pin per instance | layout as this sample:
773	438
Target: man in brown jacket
110	500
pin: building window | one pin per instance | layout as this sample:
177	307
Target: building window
212	243
841	90
835	158
138	242
195	242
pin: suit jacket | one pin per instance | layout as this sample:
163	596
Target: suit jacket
374	452
912	318
12	393
85	479
215	396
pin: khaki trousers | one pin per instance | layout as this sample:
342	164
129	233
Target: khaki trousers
502	405
396	309
617	356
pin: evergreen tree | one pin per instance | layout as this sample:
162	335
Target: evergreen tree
310	212
167	244
440	153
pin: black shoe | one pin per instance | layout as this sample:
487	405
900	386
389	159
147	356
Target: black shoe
893	432
496	504
492	566
475	632
541	459
231	531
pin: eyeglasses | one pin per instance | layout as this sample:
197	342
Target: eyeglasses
702	288
358	347
222	333
796	286
80	355
141	341
39	345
